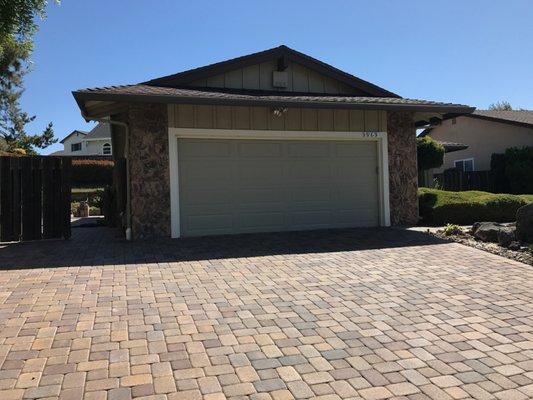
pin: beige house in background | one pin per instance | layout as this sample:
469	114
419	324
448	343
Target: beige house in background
484	132
97	142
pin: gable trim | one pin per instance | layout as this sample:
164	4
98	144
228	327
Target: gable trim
282	52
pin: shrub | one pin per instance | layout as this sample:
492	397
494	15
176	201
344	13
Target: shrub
452	229
519	169
92	173
512	172
438	207
430	153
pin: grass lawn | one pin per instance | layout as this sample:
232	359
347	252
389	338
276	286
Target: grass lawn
439	207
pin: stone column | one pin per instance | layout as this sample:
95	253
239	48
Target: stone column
149	170
403	170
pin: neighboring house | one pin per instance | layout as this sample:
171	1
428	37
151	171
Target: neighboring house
271	141
97	142
484	132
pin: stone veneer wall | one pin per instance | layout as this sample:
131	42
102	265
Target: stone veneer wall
149	170
403	170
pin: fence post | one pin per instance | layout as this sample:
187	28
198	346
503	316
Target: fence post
65	191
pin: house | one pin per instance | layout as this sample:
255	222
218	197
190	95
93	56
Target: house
271	141
484	132
97	142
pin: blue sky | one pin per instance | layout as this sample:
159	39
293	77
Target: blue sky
473	52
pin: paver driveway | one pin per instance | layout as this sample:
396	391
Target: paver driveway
372	314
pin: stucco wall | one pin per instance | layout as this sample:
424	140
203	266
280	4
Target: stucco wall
149	173
483	138
403	172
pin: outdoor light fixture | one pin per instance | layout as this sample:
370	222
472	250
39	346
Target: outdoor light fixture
279	111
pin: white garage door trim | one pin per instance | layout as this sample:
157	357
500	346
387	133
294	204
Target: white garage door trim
190	133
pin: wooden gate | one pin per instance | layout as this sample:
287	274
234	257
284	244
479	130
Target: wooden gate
34	198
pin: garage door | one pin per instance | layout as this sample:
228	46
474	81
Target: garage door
238	186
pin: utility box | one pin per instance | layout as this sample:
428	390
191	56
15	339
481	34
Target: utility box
280	79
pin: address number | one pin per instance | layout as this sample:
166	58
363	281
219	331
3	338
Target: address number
370	134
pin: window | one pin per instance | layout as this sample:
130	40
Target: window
75	147
106	149
465	165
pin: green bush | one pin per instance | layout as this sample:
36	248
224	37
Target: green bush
430	153
512	172
92	173
519	169
439	207
452	229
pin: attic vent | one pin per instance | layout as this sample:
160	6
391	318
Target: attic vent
280	79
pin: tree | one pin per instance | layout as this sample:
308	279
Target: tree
17	27
501	106
430	153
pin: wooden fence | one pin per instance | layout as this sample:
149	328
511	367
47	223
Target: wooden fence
456	180
34	198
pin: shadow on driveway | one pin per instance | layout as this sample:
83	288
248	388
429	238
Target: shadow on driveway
106	246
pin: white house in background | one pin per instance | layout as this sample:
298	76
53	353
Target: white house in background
97	142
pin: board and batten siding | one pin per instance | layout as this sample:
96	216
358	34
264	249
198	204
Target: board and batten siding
259	77
262	118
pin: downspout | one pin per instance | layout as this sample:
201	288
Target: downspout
126	155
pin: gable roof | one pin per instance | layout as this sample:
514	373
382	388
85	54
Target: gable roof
281	53
73	133
100	131
176	88
518	117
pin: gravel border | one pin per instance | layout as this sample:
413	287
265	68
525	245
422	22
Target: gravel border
524	256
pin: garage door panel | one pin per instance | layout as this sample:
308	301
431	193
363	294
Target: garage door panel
203	197
258	174
355	149
259	149
303	194
261	221
311	219
309	170
359	217
208	223
259	196
205	174
204	148
309	149
238	185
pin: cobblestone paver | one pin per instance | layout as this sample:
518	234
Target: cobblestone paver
362	314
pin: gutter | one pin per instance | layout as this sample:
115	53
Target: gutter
126	154
269	102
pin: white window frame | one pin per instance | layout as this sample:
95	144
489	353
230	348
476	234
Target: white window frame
73	144
110	149
463	160
192	133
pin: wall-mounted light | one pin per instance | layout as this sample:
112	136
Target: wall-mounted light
279	111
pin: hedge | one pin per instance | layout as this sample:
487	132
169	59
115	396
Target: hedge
92	173
512	172
439	207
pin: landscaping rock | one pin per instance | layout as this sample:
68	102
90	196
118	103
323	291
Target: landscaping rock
487	231
494	232
506	236
524	223
514	246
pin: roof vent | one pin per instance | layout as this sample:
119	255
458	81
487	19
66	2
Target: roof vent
280	79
